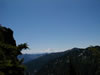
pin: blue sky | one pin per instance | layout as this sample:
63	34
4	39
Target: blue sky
52	25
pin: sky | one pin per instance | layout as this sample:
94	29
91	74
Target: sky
52	25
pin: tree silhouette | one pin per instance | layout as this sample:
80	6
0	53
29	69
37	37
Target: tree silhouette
9	63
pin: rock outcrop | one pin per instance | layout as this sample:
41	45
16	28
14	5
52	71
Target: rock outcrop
9	64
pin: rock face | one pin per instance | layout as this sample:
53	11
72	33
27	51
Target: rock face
9	64
6	36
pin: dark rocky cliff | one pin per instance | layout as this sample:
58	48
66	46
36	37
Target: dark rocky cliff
6	36
9	64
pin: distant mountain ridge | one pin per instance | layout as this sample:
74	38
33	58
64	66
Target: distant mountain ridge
29	57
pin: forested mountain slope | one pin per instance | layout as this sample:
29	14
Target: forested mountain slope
35	65
75	62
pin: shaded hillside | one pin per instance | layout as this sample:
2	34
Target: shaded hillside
75	62
35	65
9	64
29	57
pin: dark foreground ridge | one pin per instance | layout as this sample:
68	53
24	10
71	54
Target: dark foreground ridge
75	62
9	64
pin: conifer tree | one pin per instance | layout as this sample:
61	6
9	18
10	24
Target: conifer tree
9	63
